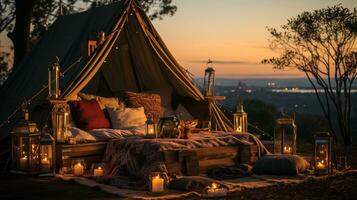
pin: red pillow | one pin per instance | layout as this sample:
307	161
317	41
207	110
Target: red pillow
88	115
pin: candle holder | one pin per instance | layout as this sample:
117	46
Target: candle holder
322	153
215	190
66	166
157	182
97	169
285	135
47	152
78	167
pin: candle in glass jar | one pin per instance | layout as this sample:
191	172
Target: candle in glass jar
23	162
78	169
157	184
98	172
45	163
321	165
287	150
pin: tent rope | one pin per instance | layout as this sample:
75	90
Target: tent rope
28	102
262	132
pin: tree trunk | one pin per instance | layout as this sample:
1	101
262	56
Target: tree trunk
20	36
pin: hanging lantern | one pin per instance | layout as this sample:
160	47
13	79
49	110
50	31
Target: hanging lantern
25	146
60	120
240	119
53	79
285	136
150	127
47	152
322	155
208	84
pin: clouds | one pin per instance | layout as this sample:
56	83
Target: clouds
224	62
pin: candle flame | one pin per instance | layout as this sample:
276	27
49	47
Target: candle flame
157	177
99	167
214	185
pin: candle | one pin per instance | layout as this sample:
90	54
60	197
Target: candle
78	169
215	191
98	172
239	129
23	162
45	163
287	150
157	184
321	165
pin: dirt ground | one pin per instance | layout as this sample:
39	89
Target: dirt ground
335	187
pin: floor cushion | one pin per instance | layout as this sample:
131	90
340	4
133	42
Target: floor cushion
278	164
88	115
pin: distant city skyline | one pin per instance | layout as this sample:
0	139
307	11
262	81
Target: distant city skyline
232	33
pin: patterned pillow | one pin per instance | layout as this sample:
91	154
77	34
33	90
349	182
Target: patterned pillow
150	102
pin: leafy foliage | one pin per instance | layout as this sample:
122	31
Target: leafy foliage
322	45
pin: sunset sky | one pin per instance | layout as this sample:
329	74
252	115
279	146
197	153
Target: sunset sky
231	32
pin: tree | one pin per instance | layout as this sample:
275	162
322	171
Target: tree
321	44
27	20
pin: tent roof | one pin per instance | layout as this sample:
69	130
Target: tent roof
67	38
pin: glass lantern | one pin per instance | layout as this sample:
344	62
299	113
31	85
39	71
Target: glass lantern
322	153
208	83
285	136
47	152
78	167
60	120
97	169
157	182
53	79
240	119
25	147
150	127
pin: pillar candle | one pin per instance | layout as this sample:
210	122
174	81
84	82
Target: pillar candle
157	184
78	169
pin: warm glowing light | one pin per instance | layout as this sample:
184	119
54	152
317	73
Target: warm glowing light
287	150
157	184
321	165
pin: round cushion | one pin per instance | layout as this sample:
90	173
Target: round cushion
280	165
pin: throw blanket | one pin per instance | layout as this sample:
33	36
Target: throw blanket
136	157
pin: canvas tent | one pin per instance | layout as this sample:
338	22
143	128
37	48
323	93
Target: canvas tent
132	58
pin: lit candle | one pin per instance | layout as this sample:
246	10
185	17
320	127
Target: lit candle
239	129
45	163
215	191
287	150
98	172
78	169
151	130
157	184
23	162
321	165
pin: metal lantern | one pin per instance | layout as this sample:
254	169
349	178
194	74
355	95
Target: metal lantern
47	152
285	136
60	120
25	146
322	153
150	127
208	84
53	79
240	119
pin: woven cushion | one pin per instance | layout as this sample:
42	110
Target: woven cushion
127	118
281	165
88	115
150	102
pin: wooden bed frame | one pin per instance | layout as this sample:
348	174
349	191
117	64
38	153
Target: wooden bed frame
186	162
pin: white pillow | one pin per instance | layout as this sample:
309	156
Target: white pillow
127	118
